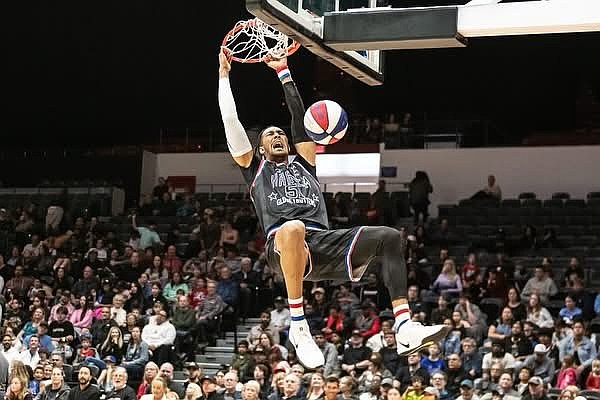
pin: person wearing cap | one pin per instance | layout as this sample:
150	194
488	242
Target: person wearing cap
540	363
356	357
431	393
209	388
105	380
536	390
194	373
467	391
241	361
281	318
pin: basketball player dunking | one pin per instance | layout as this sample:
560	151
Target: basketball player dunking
291	209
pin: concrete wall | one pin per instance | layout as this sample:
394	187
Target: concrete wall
458	173
455	173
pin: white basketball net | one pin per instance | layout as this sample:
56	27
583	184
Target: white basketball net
254	40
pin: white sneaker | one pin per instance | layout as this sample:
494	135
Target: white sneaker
307	351
414	336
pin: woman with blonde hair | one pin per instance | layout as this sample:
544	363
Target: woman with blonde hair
251	390
316	388
113	345
448	281
17	389
193	392
159	390
19	369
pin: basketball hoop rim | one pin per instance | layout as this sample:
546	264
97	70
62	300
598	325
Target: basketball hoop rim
291	49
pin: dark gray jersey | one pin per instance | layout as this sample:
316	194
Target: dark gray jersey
284	192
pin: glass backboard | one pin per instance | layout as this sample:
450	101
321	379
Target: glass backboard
302	20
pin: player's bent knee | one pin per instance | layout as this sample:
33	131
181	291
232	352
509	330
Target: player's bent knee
291	233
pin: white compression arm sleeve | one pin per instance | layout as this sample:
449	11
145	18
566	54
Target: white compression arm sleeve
237	139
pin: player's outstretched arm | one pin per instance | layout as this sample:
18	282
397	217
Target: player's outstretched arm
304	145
237	139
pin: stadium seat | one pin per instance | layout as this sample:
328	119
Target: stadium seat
575	203
510	203
527	195
561	195
531	203
552	203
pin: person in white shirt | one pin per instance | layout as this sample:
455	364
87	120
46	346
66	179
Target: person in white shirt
10	348
31	356
377	341
160	337
117	312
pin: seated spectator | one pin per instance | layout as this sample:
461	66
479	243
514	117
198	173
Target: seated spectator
441	312
377	341
173	285
347	300
330	354
471	358
535	389
498	355
541	364
470	275
579	346
593	380
209	311
373	391
501	328
356	357
574	269
248	281
448	281
228	288
523	380
368	322
265	326
451	343
467	391
504	389
455	374
62	332
513	302
538	315
184	319
375	367
541	284
160	336
520	346
375	291
171	262
413	368
136	355
569	312
567	375
491	191
528	240
432	361
439	380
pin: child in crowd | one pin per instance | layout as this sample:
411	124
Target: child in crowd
593	379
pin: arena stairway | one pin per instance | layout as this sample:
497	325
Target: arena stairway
219	356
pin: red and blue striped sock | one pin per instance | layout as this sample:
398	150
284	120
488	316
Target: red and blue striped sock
296	309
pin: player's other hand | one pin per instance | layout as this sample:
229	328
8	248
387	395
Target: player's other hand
224	63
276	62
